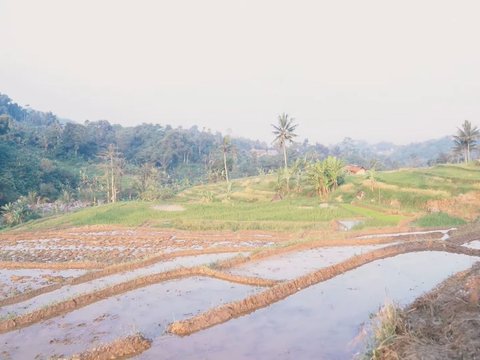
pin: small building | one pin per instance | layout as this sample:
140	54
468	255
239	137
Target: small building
355	170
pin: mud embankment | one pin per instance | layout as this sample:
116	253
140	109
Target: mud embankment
80	301
109	270
104	271
465	234
119	349
13	265
314	244
232	310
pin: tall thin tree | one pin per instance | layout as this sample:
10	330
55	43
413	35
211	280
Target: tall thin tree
226	147
113	170
284	133
466	139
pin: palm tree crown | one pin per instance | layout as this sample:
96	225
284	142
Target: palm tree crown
466	139
284	133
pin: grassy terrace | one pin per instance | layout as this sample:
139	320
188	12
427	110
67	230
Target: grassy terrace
396	197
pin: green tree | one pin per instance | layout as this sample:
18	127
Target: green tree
298	172
226	147
466	139
334	170
17	212
284	133
317	177
113	165
148	182
326	175
4	124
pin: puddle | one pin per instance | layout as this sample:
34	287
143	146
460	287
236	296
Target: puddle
291	265
473	244
17	281
446	236
148	310
346	225
320	322
72	291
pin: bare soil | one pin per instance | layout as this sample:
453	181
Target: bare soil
464	206
443	324
119	349
98	246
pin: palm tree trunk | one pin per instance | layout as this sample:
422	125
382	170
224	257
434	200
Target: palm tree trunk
225	165
285	156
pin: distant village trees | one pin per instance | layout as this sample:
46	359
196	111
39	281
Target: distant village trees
42	153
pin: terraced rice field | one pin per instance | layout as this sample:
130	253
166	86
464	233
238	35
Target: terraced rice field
111	292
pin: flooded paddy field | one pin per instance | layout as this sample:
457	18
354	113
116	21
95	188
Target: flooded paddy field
147	310
234	294
291	265
324	321
17	281
122	245
69	292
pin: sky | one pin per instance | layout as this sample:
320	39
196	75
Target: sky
376	70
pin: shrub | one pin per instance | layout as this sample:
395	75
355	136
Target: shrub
17	212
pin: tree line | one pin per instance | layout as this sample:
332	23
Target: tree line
96	161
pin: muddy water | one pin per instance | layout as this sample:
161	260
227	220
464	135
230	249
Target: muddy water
148	310
71	291
473	244
291	265
13	282
348	224
320	322
445	233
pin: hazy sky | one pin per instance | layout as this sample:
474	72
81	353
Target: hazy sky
376	70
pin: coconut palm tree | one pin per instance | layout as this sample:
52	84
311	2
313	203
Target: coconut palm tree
284	133
466	139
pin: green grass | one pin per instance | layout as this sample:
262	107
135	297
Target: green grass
452	179
373	218
439	220
283	215
249	206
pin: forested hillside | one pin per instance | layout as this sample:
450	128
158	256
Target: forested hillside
52	158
